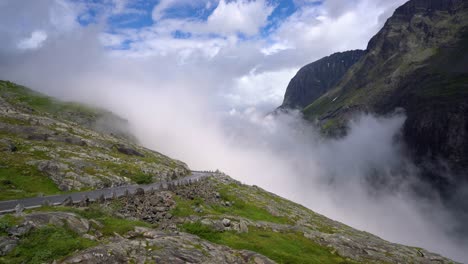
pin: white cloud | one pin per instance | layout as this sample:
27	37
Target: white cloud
242	16
275	48
256	89
335	25
35	41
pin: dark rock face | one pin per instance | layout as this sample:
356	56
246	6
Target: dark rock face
316	78
434	90
418	62
128	151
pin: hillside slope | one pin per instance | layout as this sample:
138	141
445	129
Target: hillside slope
217	220
48	146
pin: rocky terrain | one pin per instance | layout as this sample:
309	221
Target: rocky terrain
51	147
48	147
416	63
216	220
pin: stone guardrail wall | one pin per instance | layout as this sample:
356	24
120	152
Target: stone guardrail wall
99	195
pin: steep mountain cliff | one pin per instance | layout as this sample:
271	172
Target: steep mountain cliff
417	62
316	78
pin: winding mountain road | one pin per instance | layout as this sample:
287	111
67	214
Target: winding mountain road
34	202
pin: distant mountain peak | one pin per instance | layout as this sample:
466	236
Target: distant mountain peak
316	78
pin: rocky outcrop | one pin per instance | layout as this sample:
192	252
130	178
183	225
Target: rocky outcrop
7	244
34	221
316	78
7	145
161	247
153	207
128	151
417	62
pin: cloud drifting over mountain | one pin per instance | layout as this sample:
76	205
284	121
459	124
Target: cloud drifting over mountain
195	79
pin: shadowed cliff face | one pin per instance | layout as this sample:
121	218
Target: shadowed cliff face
315	79
418	62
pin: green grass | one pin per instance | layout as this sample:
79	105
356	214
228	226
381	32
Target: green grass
46	244
280	247
239	207
142	178
21	182
6	222
184	208
243	208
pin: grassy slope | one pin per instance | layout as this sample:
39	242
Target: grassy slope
16	170
46	244
252	203
53	242
20	95
279	246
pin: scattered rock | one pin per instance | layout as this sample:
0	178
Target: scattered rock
243	228
19	208
75	223
139	191
21	230
206	221
90	237
38	137
7	145
68	201
226	222
151	207
171	248
84	202
128	151
7	244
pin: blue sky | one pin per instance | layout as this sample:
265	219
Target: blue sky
246	50
122	15
141	11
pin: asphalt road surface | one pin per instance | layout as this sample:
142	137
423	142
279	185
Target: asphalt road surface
28	203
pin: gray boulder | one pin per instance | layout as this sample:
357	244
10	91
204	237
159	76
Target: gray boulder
226	222
7	244
7	145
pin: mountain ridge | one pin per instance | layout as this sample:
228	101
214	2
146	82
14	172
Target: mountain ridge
316	78
417	62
